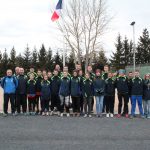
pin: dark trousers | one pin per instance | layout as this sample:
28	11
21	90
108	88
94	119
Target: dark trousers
8	97
38	98
81	103
110	104
55	102
76	104
92	103
21	100
104	104
87	105
31	104
45	105
123	98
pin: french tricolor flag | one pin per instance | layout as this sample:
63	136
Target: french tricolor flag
56	13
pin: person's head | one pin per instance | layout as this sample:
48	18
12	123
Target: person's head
57	67
65	74
39	72
55	72
98	72
31	76
147	76
45	77
44	72
106	68
17	70
87	75
21	71
65	68
130	75
78	67
80	73
89	68
31	69
137	73
9	72
49	74
121	72
110	74
75	73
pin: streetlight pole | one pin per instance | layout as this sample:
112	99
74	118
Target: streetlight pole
132	24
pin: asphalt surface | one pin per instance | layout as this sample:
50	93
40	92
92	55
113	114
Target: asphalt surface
54	133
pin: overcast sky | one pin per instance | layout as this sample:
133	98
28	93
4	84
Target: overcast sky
28	21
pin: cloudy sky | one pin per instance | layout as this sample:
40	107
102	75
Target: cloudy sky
25	22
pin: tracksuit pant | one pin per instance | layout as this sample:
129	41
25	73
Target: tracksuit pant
110	100
45	104
31	104
37	100
87	105
135	98
21	101
8	97
76	104
64	101
99	104
146	107
123	98
55	102
81	103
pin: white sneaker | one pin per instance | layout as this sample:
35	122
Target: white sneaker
51	114
68	115
58	113
111	115
47	114
85	115
90	116
107	115
61	115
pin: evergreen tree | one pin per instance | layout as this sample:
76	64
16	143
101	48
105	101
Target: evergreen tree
102	58
49	60
27	58
42	56
58	59
13	58
20	60
143	48
117	60
34	57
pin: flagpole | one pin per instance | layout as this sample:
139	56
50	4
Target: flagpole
64	61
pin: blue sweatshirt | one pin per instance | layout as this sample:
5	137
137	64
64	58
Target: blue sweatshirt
9	84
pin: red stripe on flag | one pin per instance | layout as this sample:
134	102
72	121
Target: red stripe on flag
55	16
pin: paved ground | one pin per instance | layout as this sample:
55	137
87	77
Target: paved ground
54	133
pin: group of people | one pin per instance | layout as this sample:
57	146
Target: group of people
44	92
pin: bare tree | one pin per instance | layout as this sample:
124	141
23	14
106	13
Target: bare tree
83	23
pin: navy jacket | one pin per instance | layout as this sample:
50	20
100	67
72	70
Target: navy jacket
99	86
45	90
110	87
22	84
122	85
75	87
31	87
38	83
55	85
146	89
65	87
87	88
137	86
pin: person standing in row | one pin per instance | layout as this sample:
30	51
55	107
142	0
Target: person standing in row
110	95
31	94
45	96
21	93
122	88
146	99
64	94
9	83
99	92
136	94
55	86
87	92
75	93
